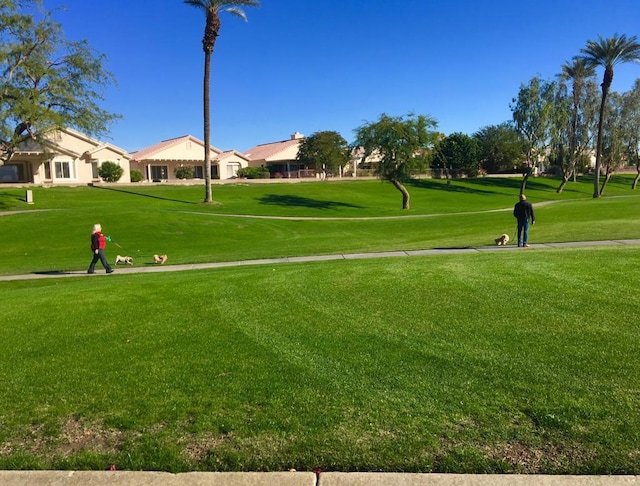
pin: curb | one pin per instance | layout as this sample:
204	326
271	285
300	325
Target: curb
126	478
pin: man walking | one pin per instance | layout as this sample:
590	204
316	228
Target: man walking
523	212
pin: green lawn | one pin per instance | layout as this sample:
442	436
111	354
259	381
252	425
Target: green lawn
148	220
519	361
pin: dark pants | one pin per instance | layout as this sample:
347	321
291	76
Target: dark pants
523	232
99	256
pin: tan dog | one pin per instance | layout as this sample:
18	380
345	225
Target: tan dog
502	240
124	259
160	259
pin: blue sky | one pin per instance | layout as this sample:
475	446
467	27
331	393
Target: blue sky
308	65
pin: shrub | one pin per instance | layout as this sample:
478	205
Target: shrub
136	175
253	172
110	172
184	172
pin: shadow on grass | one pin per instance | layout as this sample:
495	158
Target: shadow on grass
133	193
482	185
303	202
7	206
53	272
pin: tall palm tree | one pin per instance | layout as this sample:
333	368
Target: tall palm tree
212	10
607	53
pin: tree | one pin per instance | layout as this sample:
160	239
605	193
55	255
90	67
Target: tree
212	10
457	153
631	115
581	115
607	53
531	115
398	145
110	171
46	81
613	146
326	151
501	148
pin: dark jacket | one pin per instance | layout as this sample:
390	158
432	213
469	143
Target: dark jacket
523	210
98	241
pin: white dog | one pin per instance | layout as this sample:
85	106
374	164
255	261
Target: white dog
502	240
124	259
160	259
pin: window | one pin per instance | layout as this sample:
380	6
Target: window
10	173
47	171
64	170
198	172
159	172
94	171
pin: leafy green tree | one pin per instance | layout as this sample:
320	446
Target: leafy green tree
398	146
501	148
532	117
212	10
613	146
326	151
607	53
46	81
110	171
631	115
582	115
458	153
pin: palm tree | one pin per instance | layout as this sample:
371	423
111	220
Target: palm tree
212	10
607	53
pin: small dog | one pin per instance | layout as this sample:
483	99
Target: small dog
124	259
502	240
160	259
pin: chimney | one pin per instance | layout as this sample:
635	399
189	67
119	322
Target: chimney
297	136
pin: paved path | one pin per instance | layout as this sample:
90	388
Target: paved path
348	256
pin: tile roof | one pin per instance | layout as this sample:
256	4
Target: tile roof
267	150
149	152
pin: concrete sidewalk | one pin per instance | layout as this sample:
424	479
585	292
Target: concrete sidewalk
349	256
126	478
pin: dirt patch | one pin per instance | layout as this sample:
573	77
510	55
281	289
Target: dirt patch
75	436
528	459
198	447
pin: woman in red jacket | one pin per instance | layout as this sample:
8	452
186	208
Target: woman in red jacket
98	243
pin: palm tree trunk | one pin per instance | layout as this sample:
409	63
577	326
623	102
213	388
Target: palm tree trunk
606	83
403	190
208	198
636	179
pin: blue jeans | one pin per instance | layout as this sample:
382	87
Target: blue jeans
99	256
523	231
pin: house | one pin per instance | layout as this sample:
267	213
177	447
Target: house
65	157
159	162
280	157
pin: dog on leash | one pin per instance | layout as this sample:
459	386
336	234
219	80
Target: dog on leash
160	259
124	260
502	239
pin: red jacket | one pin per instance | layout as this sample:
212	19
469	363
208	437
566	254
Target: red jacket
98	241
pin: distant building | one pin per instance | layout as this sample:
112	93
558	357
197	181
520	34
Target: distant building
280	158
159	162
65	157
